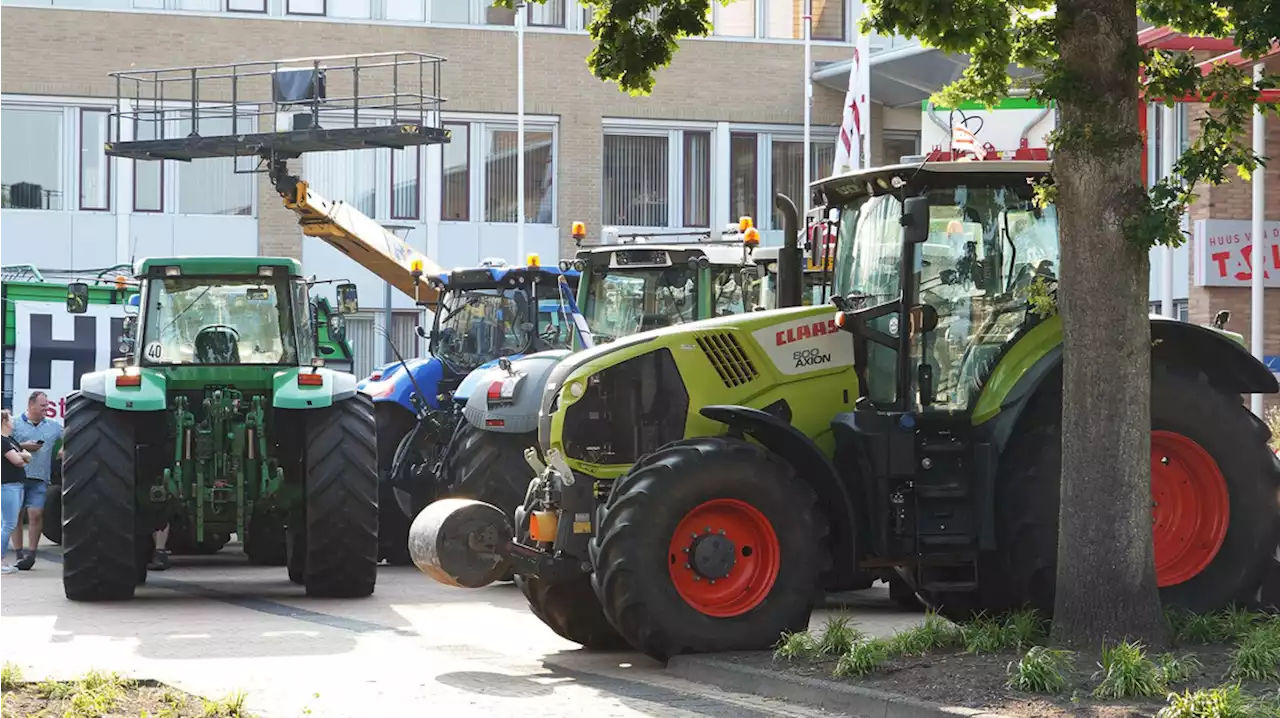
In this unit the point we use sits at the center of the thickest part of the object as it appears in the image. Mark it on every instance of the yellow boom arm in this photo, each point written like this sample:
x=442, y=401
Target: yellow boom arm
x=364, y=240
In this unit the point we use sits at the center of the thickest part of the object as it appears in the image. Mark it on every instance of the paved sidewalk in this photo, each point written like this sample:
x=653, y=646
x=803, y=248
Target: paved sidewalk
x=212, y=625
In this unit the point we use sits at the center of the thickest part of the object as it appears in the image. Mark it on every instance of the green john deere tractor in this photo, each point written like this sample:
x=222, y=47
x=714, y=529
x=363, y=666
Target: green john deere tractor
x=704, y=484
x=222, y=419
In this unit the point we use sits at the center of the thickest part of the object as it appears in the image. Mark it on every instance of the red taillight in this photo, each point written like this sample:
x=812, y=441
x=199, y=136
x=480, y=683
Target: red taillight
x=495, y=422
x=495, y=391
x=310, y=380
x=129, y=380
x=376, y=376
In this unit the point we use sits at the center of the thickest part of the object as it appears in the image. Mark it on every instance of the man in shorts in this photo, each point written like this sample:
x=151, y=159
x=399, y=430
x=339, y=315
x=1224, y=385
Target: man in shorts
x=36, y=433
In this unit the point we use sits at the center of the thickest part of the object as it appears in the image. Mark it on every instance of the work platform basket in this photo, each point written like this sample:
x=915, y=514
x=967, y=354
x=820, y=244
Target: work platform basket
x=278, y=109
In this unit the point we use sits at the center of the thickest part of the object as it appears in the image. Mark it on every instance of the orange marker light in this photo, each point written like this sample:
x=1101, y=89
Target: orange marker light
x=751, y=237
x=745, y=223
x=416, y=266
x=310, y=380
x=533, y=260
x=129, y=380
x=579, y=230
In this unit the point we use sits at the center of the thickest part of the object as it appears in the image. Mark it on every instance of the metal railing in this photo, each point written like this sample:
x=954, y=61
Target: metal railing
x=347, y=91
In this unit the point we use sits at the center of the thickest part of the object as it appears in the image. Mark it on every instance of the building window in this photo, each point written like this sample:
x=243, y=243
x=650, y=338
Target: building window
x=31, y=158
x=635, y=181
x=451, y=11
x=495, y=15
x=250, y=6
x=95, y=169
x=737, y=19
x=305, y=7
x=455, y=189
x=787, y=171
x=785, y=19
x=1181, y=309
x=406, y=175
x=898, y=144
x=696, y=195
x=404, y=10
x=347, y=9
x=742, y=175
x=148, y=176
x=655, y=177
x=546, y=14
x=500, y=178
x=213, y=186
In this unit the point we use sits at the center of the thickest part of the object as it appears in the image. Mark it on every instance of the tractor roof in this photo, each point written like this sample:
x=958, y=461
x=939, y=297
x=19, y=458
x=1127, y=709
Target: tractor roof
x=717, y=253
x=218, y=266
x=879, y=180
x=493, y=275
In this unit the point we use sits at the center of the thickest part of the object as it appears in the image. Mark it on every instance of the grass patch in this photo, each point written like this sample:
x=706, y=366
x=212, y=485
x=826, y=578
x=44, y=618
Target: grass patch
x=1177, y=669
x=1256, y=656
x=1041, y=670
x=229, y=706
x=862, y=658
x=100, y=693
x=934, y=634
x=795, y=645
x=1019, y=630
x=10, y=676
x=1221, y=702
x=1220, y=627
x=1127, y=672
x=838, y=637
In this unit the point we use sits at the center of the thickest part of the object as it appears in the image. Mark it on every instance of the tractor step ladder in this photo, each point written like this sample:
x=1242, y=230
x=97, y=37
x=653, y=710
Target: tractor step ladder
x=946, y=511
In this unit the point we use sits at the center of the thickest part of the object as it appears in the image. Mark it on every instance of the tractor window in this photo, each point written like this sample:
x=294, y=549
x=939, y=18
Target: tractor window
x=810, y=291
x=620, y=303
x=728, y=295
x=986, y=245
x=868, y=256
x=481, y=325
x=303, y=328
x=232, y=320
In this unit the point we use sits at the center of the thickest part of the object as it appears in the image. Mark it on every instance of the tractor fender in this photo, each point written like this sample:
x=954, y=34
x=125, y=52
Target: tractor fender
x=396, y=386
x=520, y=414
x=288, y=393
x=777, y=434
x=101, y=386
x=1224, y=360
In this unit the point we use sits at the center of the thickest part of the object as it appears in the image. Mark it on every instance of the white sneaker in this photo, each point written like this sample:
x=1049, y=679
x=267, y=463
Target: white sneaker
x=8, y=569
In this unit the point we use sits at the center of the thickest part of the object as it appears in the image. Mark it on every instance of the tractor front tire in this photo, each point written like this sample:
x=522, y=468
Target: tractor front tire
x=568, y=607
x=701, y=511
x=100, y=560
x=341, y=515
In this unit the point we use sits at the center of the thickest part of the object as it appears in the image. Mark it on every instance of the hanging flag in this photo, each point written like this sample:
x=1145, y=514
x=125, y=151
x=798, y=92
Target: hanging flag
x=853, y=146
x=963, y=140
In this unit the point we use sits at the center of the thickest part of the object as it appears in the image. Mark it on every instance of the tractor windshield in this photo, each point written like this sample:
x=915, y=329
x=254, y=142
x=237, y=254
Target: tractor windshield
x=763, y=292
x=986, y=246
x=219, y=320
x=479, y=325
x=624, y=302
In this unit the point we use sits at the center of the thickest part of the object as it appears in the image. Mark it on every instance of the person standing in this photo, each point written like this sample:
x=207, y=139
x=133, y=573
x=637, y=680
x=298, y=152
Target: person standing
x=37, y=434
x=13, y=473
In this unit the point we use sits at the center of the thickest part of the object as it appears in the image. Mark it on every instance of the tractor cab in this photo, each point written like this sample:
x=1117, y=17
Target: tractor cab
x=495, y=310
x=951, y=251
x=762, y=291
x=635, y=283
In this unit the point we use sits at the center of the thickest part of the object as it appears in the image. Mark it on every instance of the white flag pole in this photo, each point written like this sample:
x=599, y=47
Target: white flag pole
x=864, y=98
x=520, y=11
x=808, y=110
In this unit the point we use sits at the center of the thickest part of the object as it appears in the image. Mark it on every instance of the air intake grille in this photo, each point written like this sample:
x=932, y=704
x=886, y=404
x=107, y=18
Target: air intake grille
x=726, y=355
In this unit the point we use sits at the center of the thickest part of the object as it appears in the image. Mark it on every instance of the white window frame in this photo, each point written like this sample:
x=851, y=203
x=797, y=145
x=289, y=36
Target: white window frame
x=674, y=132
x=479, y=125
x=765, y=136
x=70, y=108
x=169, y=189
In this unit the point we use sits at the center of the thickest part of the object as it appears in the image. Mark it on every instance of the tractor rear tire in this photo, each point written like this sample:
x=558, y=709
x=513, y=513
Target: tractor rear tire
x=490, y=467
x=341, y=515
x=394, y=424
x=568, y=607
x=1185, y=403
x=100, y=560
x=661, y=537
x=265, y=544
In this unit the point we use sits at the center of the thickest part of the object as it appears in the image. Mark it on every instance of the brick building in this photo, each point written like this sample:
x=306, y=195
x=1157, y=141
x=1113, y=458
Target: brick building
x=721, y=133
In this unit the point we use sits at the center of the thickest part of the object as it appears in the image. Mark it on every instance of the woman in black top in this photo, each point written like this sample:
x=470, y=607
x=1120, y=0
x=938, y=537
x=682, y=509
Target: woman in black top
x=13, y=471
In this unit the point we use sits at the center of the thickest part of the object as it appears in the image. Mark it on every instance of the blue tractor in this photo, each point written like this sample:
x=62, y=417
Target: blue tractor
x=483, y=314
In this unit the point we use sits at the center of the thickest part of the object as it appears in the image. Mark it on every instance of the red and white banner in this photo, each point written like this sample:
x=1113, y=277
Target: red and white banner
x=1224, y=253
x=853, y=148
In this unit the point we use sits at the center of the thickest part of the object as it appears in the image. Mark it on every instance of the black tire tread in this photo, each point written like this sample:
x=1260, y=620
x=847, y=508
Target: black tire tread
x=341, y=475
x=488, y=466
x=99, y=561
x=637, y=504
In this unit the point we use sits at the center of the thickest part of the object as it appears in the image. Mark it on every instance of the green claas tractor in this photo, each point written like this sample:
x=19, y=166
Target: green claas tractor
x=221, y=419
x=701, y=486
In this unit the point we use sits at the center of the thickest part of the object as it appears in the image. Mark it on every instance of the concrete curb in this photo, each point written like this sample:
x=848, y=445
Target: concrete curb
x=830, y=695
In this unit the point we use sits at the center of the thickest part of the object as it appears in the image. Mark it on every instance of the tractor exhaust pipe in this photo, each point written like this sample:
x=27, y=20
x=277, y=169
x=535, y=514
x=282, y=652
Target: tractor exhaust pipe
x=790, y=266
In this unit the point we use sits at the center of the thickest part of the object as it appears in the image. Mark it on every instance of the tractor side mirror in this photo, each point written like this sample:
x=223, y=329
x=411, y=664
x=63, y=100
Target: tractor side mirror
x=127, y=330
x=337, y=327
x=348, y=299
x=915, y=220
x=77, y=298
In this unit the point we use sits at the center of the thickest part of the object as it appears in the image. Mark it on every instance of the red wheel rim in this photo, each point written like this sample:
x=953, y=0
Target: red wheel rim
x=724, y=558
x=1190, y=507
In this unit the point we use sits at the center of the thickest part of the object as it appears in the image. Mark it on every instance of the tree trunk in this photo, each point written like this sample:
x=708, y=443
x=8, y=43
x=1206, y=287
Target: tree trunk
x=1106, y=583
